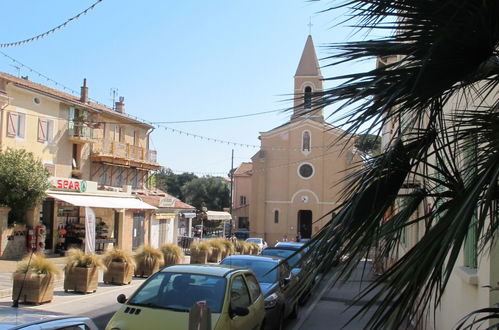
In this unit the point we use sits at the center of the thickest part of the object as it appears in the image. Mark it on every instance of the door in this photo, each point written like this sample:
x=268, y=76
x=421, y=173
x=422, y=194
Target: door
x=240, y=297
x=48, y=221
x=116, y=227
x=305, y=223
x=138, y=229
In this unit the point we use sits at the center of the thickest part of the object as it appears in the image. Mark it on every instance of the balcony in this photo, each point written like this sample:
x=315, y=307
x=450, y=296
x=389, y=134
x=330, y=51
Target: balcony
x=79, y=133
x=124, y=154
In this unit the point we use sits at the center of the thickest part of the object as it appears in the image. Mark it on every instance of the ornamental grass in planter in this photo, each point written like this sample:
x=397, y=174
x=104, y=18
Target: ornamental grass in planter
x=120, y=266
x=38, y=275
x=81, y=273
x=148, y=260
x=240, y=246
x=172, y=254
x=217, y=248
x=229, y=248
x=253, y=248
x=200, y=252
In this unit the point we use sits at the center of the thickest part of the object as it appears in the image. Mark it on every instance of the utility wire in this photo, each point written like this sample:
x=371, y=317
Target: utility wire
x=45, y=34
x=215, y=119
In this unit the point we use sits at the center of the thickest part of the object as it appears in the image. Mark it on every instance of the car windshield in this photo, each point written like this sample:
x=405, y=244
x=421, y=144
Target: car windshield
x=259, y=267
x=256, y=240
x=283, y=254
x=180, y=291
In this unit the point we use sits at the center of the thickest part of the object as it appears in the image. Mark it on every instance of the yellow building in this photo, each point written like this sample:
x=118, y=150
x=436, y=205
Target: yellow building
x=90, y=151
x=296, y=173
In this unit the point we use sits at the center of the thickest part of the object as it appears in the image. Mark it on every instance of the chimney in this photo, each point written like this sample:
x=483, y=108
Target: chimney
x=120, y=105
x=84, y=92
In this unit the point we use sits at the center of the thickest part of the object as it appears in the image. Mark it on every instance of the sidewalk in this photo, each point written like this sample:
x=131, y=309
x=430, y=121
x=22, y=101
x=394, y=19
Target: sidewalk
x=330, y=308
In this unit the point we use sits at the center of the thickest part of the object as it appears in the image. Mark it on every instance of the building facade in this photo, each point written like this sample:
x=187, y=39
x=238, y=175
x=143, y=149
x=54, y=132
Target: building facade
x=241, y=196
x=90, y=150
x=297, y=174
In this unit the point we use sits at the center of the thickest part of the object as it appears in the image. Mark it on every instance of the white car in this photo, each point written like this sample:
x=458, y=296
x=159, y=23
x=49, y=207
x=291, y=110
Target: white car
x=261, y=243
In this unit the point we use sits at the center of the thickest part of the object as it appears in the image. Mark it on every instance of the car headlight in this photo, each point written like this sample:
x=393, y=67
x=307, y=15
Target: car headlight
x=271, y=301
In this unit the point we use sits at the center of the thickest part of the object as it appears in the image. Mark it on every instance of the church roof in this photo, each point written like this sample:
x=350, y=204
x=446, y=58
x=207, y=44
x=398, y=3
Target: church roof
x=244, y=169
x=309, y=65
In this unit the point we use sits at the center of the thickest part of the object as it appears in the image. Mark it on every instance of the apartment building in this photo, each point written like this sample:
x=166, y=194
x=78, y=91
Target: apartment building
x=97, y=157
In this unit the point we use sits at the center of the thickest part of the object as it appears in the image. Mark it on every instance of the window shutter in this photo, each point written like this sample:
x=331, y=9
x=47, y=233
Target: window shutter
x=50, y=130
x=71, y=113
x=42, y=130
x=12, y=123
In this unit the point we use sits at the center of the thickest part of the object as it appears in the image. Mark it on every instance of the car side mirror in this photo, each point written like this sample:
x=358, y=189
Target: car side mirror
x=295, y=271
x=239, y=311
x=285, y=281
x=121, y=298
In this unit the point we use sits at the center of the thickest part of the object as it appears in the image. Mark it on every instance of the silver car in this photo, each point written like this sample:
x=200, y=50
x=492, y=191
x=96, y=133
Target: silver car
x=29, y=319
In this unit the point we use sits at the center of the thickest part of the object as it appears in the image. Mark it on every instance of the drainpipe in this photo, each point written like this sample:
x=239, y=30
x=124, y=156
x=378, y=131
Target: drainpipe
x=2, y=121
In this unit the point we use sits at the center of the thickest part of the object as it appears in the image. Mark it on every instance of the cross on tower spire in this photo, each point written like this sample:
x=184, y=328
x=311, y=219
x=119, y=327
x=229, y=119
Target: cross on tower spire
x=310, y=25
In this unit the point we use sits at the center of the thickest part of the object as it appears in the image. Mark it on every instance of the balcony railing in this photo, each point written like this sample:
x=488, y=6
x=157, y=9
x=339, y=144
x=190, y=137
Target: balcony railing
x=79, y=131
x=124, y=151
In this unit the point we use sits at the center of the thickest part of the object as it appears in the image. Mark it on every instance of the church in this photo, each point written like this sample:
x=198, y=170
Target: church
x=297, y=173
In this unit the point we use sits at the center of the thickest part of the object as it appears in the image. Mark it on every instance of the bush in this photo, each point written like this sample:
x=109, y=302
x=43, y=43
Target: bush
x=78, y=258
x=172, y=254
x=201, y=247
x=118, y=255
x=146, y=253
x=23, y=182
x=38, y=265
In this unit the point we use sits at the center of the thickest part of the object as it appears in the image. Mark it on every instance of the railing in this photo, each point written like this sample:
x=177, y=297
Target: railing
x=78, y=130
x=124, y=150
x=185, y=243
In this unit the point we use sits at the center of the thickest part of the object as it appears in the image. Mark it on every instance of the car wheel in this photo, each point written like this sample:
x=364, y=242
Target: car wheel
x=294, y=312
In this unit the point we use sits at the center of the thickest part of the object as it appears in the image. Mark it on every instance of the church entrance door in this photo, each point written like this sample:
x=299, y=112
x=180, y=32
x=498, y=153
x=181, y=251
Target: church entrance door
x=305, y=223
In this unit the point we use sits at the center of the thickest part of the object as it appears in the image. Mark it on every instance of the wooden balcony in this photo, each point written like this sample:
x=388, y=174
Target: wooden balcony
x=80, y=133
x=124, y=154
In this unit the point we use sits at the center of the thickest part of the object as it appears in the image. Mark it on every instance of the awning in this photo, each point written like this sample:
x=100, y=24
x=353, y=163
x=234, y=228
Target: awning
x=218, y=215
x=104, y=201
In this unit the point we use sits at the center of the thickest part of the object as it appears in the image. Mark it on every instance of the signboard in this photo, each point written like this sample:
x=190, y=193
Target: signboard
x=167, y=202
x=68, y=184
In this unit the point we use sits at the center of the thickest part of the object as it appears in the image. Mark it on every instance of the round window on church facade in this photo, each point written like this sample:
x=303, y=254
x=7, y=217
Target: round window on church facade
x=306, y=171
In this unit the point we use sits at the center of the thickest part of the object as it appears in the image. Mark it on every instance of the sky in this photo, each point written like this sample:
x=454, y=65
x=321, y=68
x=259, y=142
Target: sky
x=177, y=61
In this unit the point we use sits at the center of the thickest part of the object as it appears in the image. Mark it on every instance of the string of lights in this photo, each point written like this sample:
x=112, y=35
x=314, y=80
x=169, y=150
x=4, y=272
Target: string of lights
x=216, y=119
x=45, y=34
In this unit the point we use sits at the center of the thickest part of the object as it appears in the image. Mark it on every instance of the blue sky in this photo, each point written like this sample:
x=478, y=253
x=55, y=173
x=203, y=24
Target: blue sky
x=178, y=60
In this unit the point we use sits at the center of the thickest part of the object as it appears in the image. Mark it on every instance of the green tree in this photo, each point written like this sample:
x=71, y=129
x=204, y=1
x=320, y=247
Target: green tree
x=172, y=183
x=210, y=192
x=23, y=182
x=439, y=80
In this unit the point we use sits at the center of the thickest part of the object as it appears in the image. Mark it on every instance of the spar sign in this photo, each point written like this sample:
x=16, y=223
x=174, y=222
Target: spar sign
x=68, y=184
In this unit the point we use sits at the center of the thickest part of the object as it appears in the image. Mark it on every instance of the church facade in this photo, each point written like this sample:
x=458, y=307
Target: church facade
x=297, y=173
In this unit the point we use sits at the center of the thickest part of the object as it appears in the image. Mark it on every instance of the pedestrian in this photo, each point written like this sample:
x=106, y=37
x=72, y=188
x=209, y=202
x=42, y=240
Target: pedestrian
x=298, y=237
x=285, y=238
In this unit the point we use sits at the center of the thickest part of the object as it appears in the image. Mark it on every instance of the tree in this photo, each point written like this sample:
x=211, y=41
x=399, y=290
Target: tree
x=440, y=82
x=23, y=182
x=210, y=192
x=172, y=183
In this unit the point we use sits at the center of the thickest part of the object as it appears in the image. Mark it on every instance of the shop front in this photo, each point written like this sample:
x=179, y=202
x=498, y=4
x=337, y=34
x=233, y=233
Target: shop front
x=77, y=214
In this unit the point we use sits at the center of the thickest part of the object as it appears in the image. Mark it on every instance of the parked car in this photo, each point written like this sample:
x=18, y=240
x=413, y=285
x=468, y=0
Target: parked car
x=261, y=243
x=28, y=319
x=293, y=257
x=277, y=284
x=232, y=294
x=242, y=234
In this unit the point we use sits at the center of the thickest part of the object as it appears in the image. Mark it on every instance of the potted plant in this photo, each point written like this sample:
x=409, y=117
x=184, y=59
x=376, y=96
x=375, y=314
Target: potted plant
x=200, y=252
x=34, y=280
x=81, y=273
x=253, y=248
x=119, y=266
x=229, y=248
x=217, y=249
x=172, y=254
x=148, y=260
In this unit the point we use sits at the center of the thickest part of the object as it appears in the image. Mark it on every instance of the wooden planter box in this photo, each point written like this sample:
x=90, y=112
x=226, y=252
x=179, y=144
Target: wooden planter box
x=118, y=273
x=37, y=288
x=215, y=256
x=171, y=259
x=81, y=279
x=146, y=268
x=254, y=250
x=199, y=257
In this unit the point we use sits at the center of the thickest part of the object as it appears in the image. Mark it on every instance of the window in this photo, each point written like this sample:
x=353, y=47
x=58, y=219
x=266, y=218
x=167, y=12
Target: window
x=45, y=130
x=239, y=295
x=305, y=171
x=305, y=144
x=253, y=285
x=276, y=216
x=307, y=98
x=16, y=123
x=243, y=222
x=242, y=200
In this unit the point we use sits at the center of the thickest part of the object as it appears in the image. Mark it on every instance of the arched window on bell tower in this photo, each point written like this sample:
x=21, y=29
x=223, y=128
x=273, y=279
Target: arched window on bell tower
x=307, y=98
x=305, y=144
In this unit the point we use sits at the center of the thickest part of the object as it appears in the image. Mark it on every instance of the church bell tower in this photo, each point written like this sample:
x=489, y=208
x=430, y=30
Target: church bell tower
x=308, y=81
